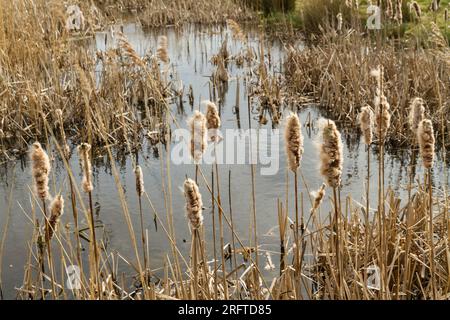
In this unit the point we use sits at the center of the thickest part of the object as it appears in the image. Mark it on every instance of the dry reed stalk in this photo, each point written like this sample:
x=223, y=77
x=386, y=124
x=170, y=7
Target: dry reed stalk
x=425, y=137
x=366, y=121
x=40, y=170
x=294, y=150
x=331, y=164
x=87, y=186
x=140, y=189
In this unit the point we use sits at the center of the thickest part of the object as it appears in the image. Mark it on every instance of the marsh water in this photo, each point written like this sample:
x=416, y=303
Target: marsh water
x=190, y=51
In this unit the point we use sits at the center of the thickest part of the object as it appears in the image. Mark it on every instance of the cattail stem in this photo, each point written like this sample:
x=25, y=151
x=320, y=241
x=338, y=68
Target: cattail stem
x=233, y=240
x=431, y=233
x=144, y=242
x=49, y=249
x=337, y=246
x=94, y=246
x=225, y=286
x=296, y=235
x=213, y=206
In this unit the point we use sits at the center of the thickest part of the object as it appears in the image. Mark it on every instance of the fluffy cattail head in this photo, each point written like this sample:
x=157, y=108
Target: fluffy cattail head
x=366, y=123
x=65, y=147
x=40, y=170
x=139, y=181
x=318, y=197
x=416, y=113
x=425, y=136
x=212, y=115
x=294, y=142
x=56, y=211
x=83, y=151
x=382, y=119
x=161, y=51
x=197, y=125
x=194, y=204
x=331, y=154
x=414, y=6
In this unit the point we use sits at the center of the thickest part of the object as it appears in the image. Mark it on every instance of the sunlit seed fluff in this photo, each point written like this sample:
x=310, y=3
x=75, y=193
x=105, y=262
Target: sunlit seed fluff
x=331, y=154
x=197, y=125
x=416, y=113
x=194, y=204
x=293, y=142
x=425, y=136
x=83, y=151
x=56, y=211
x=162, y=51
x=139, y=181
x=366, y=123
x=40, y=170
x=382, y=119
x=318, y=197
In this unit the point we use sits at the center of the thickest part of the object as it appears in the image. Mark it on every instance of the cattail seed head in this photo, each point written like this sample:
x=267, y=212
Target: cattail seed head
x=40, y=170
x=212, y=115
x=161, y=51
x=382, y=119
x=425, y=136
x=416, y=113
x=56, y=211
x=331, y=154
x=414, y=6
x=197, y=125
x=318, y=197
x=65, y=147
x=194, y=204
x=139, y=181
x=366, y=123
x=212, y=119
x=83, y=151
x=294, y=142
